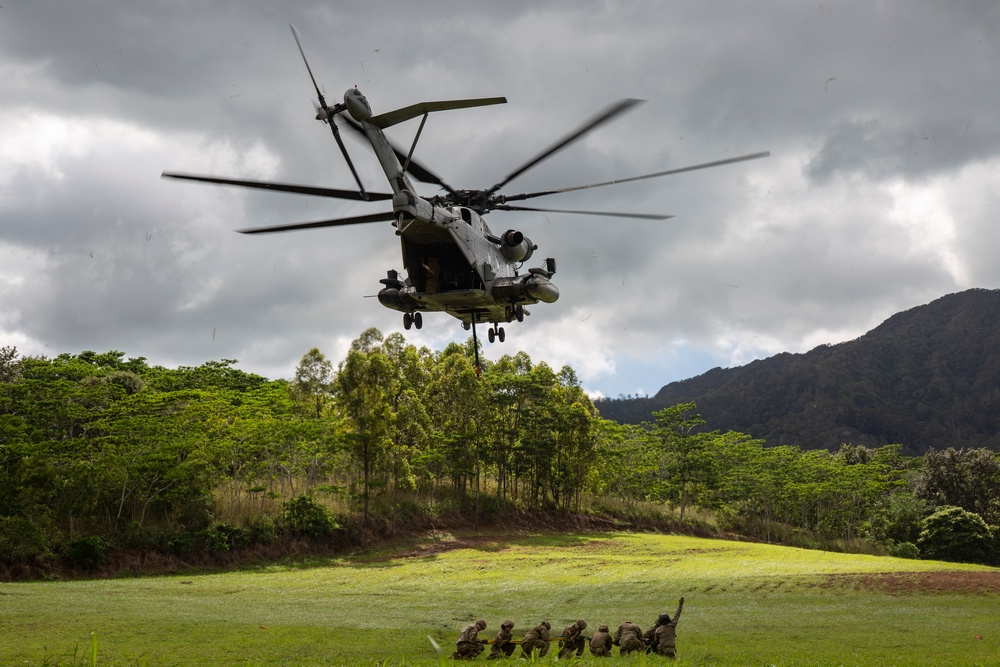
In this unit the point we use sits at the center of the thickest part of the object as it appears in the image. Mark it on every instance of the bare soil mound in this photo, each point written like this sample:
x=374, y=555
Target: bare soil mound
x=900, y=583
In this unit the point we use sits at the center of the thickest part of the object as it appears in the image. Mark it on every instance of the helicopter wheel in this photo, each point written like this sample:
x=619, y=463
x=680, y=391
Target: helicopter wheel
x=491, y=334
x=418, y=320
x=407, y=321
x=500, y=334
x=519, y=312
x=466, y=326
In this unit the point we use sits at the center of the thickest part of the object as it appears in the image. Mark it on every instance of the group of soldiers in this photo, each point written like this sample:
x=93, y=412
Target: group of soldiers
x=661, y=639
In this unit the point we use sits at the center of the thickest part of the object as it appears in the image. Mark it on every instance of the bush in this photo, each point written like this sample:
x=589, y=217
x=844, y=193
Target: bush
x=955, y=534
x=263, y=529
x=20, y=540
x=86, y=552
x=899, y=517
x=905, y=550
x=222, y=537
x=304, y=516
x=180, y=544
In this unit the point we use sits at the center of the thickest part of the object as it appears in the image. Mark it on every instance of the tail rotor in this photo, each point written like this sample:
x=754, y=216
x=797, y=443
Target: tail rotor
x=326, y=113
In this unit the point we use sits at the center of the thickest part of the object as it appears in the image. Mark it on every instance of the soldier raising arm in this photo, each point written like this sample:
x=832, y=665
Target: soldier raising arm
x=665, y=636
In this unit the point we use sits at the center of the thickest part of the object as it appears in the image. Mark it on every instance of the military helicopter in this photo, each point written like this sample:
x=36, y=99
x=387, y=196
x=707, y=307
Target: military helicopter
x=454, y=263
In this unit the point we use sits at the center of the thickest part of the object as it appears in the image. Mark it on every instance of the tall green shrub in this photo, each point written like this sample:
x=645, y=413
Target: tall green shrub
x=955, y=534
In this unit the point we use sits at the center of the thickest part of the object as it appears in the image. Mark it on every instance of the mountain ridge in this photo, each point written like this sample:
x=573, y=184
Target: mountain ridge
x=926, y=377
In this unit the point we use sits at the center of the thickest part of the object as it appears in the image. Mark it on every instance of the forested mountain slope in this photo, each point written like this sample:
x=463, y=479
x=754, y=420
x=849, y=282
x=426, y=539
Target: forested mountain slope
x=926, y=377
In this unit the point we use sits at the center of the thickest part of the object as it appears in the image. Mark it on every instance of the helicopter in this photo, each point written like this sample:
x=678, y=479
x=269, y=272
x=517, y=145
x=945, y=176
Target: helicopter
x=453, y=261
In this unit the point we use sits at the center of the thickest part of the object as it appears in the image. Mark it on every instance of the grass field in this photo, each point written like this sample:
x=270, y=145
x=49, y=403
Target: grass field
x=746, y=604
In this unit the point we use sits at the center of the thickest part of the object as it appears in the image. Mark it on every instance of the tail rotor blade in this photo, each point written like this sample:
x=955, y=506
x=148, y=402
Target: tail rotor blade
x=329, y=114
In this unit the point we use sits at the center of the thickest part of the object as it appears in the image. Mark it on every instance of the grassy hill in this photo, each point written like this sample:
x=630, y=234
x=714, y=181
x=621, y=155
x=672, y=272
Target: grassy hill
x=747, y=604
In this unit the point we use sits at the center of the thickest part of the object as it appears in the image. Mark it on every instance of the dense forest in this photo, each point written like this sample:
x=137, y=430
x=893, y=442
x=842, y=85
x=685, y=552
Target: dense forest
x=103, y=455
x=926, y=378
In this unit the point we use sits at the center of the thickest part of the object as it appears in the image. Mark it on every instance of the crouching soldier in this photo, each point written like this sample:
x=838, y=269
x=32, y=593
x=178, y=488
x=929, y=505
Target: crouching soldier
x=503, y=643
x=601, y=643
x=468, y=645
x=628, y=638
x=573, y=640
x=665, y=637
x=536, y=638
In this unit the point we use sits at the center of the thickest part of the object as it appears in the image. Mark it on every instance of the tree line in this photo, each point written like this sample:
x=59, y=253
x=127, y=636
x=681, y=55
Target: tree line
x=101, y=453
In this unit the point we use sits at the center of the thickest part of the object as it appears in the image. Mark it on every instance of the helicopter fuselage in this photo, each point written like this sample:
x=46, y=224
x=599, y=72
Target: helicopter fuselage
x=454, y=264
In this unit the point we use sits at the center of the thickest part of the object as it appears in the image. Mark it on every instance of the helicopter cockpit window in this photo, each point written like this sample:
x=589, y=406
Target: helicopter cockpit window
x=467, y=216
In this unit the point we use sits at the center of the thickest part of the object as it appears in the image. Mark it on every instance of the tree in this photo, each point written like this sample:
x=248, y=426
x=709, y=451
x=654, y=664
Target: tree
x=361, y=388
x=10, y=364
x=954, y=534
x=966, y=478
x=686, y=457
x=313, y=377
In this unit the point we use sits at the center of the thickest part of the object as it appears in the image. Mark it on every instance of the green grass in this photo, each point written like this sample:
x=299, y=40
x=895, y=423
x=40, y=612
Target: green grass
x=747, y=604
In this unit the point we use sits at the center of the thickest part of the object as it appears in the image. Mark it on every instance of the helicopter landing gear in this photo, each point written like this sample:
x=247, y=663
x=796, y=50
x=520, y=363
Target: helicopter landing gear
x=514, y=312
x=495, y=333
x=412, y=319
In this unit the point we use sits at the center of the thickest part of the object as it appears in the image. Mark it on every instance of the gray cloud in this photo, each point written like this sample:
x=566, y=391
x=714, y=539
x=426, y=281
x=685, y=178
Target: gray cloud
x=879, y=195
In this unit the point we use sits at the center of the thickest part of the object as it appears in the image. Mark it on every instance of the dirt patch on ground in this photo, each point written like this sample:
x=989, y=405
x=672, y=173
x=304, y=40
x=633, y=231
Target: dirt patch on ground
x=439, y=546
x=900, y=583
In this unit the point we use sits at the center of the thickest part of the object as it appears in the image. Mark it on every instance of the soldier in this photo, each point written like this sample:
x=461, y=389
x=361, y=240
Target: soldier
x=468, y=645
x=628, y=638
x=573, y=640
x=503, y=644
x=601, y=642
x=666, y=633
x=536, y=638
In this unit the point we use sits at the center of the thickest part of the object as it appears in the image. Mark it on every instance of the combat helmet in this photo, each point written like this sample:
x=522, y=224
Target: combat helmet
x=507, y=624
x=663, y=619
x=581, y=624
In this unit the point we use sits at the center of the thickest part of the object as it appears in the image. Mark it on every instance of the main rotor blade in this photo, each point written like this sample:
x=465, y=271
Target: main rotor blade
x=608, y=114
x=705, y=165
x=419, y=171
x=610, y=214
x=335, y=222
x=283, y=187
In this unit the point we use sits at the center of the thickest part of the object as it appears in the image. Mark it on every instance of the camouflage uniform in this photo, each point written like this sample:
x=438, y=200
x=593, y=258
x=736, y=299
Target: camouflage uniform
x=666, y=633
x=537, y=638
x=573, y=640
x=628, y=638
x=502, y=643
x=468, y=645
x=601, y=643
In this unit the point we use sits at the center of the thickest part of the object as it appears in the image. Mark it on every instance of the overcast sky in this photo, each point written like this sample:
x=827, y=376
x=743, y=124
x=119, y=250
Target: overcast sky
x=881, y=192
